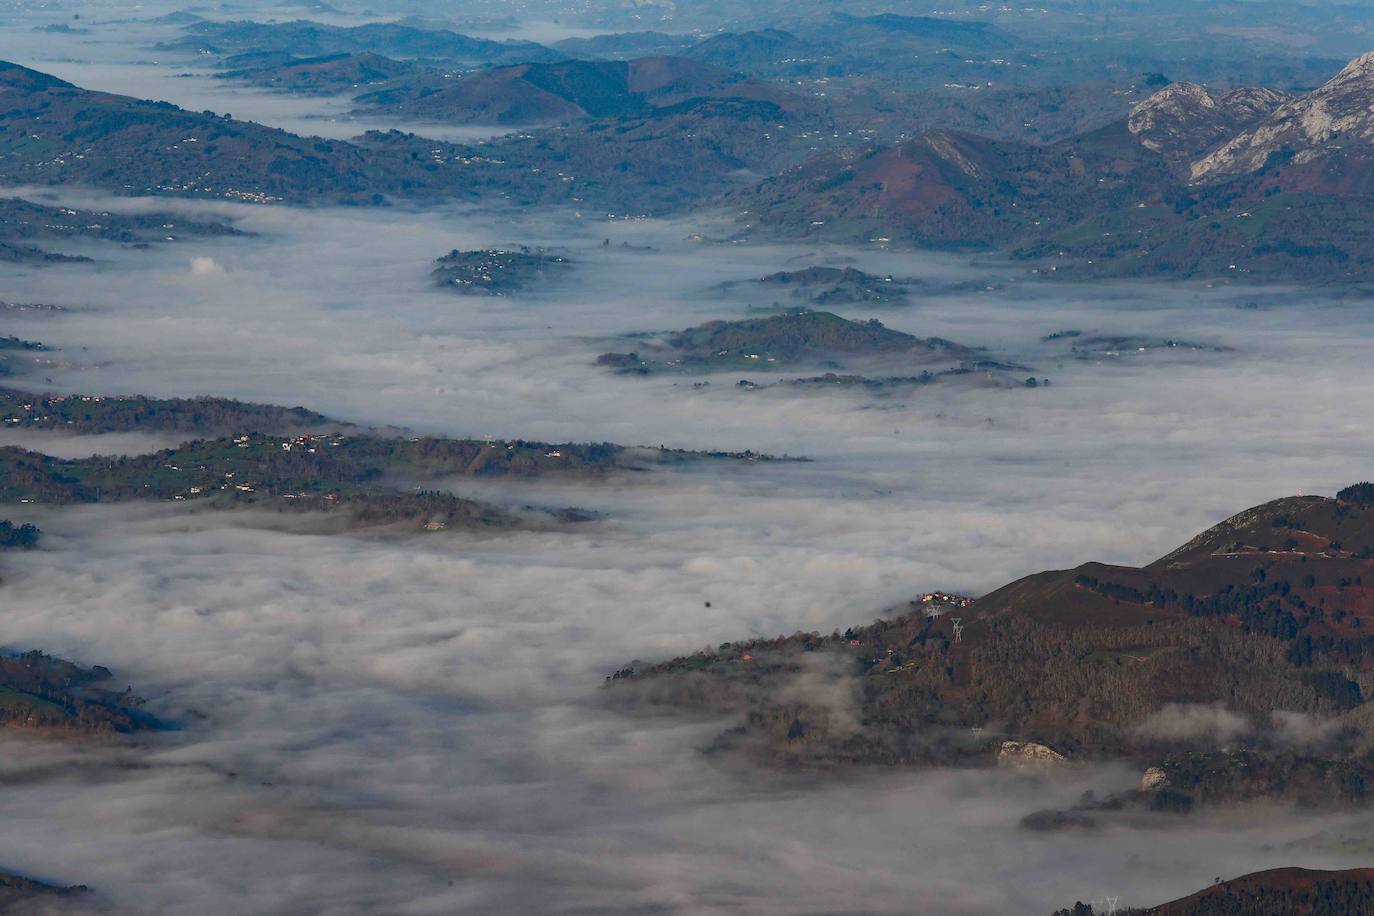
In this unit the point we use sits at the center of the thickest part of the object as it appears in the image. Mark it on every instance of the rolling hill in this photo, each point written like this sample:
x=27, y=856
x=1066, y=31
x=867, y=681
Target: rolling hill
x=391, y=39
x=52, y=132
x=1265, y=617
x=566, y=91
x=326, y=74
x=23, y=223
x=786, y=340
x=1296, y=891
x=1250, y=183
x=1290, y=891
x=673, y=155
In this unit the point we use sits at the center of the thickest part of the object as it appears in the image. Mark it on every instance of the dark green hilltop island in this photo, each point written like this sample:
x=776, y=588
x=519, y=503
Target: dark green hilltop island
x=18, y=355
x=112, y=414
x=1095, y=346
x=829, y=286
x=27, y=230
x=497, y=271
x=315, y=470
x=853, y=354
x=294, y=460
x=19, y=894
x=780, y=341
x=1266, y=616
x=18, y=537
x=58, y=700
x=51, y=696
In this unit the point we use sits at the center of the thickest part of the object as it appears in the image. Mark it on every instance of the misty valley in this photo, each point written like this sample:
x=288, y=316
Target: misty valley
x=687, y=457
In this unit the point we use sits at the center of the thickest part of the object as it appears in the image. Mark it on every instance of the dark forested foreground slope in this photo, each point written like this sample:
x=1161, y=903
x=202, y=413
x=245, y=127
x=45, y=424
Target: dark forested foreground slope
x=1236, y=667
x=1289, y=891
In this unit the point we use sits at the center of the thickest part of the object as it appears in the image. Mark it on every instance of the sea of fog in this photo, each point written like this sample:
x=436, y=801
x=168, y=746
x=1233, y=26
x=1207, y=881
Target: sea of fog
x=409, y=725
x=412, y=724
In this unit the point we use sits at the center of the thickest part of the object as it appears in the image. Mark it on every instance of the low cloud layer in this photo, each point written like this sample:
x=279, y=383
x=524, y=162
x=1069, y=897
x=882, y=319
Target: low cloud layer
x=411, y=726
x=1212, y=724
x=368, y=721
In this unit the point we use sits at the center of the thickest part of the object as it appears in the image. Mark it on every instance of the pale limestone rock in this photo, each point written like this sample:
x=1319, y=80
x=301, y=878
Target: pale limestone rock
x=1028, y=755
x=1154, y=778
x=1339, y=112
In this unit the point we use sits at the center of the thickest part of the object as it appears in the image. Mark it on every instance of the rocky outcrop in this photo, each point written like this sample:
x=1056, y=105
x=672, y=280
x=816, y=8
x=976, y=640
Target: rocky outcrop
x=1184, y=120
x=1339, y=113
x=1153, y=779
x=1027, y=755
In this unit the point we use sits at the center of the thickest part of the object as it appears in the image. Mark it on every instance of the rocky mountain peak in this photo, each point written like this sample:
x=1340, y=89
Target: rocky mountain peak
x=1304, y=127
x=1177, y=95
x=1253, y=101
x=1184, y=120
x=1359, y=69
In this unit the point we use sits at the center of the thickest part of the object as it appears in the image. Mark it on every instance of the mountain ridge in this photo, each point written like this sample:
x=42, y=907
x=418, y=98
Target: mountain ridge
x=1266, y=615
x=1343, y=109
x=1122, y=200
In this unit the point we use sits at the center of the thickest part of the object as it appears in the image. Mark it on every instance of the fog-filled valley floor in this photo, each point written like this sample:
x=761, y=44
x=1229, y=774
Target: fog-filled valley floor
x=390, y=716
x=416, y=722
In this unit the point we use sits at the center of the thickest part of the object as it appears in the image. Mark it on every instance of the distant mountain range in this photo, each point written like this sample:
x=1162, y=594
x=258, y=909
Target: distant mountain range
x=1250, y=183
x=838, y=45
x=569, y=90
x=845, y=37
x=664, y=154
x=304, y=37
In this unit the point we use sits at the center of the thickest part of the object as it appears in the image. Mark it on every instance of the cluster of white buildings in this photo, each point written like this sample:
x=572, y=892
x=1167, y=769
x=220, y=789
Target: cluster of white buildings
x=937, y=603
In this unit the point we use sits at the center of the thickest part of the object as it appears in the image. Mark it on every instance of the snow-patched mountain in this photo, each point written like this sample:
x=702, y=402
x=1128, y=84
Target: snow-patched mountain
x=1338, y=114
x=1184, y=120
